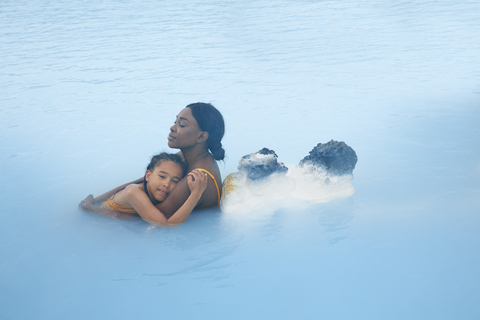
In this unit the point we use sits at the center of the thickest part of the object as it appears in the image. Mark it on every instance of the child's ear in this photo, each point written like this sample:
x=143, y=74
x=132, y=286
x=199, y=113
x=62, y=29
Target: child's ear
x=147, y=175
x=203, y=137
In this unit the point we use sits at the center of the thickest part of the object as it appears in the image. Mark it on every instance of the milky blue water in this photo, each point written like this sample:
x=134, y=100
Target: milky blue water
x=88, y=90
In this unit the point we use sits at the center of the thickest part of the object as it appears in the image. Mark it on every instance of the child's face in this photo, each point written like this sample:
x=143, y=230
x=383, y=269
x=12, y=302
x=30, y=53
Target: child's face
x=163, y=179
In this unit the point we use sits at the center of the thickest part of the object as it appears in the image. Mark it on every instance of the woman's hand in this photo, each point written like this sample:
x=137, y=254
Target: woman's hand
x=87, y=203
x=197, y=181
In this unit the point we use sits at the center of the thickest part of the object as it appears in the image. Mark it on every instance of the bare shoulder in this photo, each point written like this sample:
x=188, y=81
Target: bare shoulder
x=211, y=195
x=133, y=188
x=131, y=191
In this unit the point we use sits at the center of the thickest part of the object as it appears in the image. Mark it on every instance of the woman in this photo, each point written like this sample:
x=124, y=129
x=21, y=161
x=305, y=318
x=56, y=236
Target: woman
x=198, y=131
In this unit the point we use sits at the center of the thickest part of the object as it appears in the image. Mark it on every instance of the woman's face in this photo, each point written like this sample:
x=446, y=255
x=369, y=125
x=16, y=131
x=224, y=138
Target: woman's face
x=185, y=131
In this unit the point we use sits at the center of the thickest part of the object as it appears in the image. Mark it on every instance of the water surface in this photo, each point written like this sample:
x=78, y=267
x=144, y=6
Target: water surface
x=90, y=88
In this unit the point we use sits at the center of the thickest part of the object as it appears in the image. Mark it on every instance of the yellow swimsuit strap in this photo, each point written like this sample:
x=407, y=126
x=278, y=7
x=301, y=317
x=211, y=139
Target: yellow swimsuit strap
x=110, y=204
x=211, y=176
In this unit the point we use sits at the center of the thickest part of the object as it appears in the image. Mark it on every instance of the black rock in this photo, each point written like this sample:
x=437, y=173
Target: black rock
x=261, y=164
x=335, y=157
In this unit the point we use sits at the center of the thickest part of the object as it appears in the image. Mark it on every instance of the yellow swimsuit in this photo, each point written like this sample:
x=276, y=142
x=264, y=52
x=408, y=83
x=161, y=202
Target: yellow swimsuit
x=211, y=176
x=110, y=204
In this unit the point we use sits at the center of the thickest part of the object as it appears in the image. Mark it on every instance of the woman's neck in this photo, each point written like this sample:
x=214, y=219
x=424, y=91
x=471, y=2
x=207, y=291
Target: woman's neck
x=195, y=154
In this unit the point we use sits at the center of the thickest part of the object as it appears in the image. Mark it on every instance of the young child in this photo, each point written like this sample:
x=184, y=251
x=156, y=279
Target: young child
x=163, y=173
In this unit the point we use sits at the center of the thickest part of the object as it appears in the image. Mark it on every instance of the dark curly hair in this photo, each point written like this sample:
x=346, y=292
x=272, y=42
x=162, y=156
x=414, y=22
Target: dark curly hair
x=159, y=158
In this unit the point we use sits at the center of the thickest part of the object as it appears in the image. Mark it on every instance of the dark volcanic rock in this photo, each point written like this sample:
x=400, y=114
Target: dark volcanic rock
x=335, y=157
x=261, y=164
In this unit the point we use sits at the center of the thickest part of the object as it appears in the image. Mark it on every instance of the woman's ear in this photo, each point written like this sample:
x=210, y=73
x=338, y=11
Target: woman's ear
x=203, y=137
x=147, y=175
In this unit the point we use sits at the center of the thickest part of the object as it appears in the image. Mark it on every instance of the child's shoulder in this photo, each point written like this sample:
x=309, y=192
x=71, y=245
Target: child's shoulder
x=133, y=188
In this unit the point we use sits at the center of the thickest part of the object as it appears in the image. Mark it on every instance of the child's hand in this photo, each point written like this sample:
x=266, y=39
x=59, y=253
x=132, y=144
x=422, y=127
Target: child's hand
x=197, y=181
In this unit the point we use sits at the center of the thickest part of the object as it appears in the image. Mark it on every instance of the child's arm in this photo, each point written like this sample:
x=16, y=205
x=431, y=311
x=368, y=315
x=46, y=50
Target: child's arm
x=180, y=194
x=139, y=201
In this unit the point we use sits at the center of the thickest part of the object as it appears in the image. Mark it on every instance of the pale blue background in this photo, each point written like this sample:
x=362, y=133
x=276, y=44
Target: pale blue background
x=88, y=90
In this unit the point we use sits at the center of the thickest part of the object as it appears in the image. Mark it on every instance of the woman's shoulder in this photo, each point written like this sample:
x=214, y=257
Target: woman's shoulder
x=212, y=194
x=210, y=167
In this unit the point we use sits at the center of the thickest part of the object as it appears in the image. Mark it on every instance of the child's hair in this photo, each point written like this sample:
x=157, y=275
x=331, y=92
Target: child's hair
x=159, y=158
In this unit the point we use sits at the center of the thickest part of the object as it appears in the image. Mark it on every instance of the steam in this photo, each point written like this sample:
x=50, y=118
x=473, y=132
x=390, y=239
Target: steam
x=298, y=187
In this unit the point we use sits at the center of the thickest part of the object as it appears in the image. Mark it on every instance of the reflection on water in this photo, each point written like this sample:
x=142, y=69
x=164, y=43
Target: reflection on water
x=89, y=90
x=336, y=220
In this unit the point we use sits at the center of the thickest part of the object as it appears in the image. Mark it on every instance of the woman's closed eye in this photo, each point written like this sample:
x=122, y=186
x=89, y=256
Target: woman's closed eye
x=180, y=124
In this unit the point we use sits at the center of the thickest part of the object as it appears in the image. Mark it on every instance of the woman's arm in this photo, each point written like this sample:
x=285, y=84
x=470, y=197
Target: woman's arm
x=139, y=201
x=89, y=206
x=175, y=199
x=181, y=192
x=109, y=194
